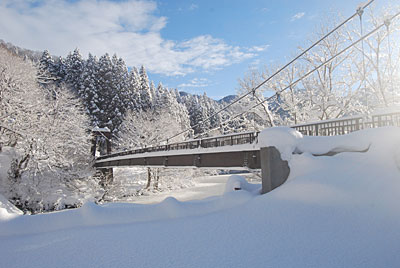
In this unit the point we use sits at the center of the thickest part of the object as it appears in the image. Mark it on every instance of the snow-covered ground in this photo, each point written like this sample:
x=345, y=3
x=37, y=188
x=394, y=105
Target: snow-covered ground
x=202, y=188
x=333, y=211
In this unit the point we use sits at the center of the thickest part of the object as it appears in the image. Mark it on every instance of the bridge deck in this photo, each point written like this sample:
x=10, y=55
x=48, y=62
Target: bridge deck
x=244, y=155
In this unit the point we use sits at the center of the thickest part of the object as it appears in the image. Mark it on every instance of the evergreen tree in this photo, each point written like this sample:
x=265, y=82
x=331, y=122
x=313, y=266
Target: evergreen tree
x=145, y=93
x=133, y=90
x=60, y=70
x=74, y=64
x=46, y=63
x=89, y=88
x=121, y=83
x=105, y=92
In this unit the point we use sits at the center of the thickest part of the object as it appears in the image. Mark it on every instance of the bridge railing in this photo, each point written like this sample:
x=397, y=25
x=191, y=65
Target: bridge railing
x=382, y=120
x=233, y=139
x=350, y=124
x=330, y=127
x=324, y=128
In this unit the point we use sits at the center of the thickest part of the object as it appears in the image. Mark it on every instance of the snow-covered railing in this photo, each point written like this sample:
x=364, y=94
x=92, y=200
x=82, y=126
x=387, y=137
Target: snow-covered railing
x=346, y=125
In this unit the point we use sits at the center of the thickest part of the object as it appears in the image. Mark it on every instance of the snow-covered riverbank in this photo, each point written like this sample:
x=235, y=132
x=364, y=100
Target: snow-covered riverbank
x=334, y=211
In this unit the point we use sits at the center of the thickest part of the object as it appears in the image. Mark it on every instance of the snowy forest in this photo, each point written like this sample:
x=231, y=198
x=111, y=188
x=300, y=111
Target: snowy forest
x=49, y=105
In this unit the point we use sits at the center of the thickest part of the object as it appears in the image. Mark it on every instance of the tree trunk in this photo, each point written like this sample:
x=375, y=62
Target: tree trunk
x=157, y=178
x=148, y=178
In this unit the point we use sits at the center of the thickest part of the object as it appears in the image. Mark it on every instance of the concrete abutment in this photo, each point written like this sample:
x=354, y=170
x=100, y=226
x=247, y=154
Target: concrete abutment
x=274, y=170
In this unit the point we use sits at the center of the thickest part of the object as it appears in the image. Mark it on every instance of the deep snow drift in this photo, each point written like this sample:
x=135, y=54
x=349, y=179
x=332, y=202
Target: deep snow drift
x=334, y=211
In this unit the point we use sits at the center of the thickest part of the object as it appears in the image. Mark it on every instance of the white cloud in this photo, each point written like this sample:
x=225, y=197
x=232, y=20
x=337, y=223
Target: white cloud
x=297, y=16
x=258, y=48
x=196, y=82
x=128, y=28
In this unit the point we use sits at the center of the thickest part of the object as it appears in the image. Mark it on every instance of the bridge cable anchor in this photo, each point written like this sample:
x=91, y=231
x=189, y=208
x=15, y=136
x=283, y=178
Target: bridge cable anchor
x=360, y=10
x=253, y=91
x=387, y=21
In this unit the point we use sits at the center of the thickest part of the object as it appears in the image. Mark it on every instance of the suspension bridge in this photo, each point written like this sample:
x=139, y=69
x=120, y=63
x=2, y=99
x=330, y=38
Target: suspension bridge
x=242, y=149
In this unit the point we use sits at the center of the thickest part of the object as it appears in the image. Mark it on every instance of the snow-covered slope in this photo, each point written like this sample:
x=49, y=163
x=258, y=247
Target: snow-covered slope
x=8, y=210
x=334, y=211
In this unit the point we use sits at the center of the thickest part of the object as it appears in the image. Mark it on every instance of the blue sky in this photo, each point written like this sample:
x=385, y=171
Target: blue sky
x=195, y=46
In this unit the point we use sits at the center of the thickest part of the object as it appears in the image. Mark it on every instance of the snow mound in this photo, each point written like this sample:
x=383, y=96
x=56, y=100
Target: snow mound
x=289, y=141
x=7, y=210
x=285, y=139
x=91, y=214
x=239, y=182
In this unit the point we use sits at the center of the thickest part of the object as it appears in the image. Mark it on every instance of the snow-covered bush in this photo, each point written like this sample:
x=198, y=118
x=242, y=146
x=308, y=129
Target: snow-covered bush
x=44, y=132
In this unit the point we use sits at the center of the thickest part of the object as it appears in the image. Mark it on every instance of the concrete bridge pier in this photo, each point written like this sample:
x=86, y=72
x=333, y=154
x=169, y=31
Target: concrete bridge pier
x=274, y=170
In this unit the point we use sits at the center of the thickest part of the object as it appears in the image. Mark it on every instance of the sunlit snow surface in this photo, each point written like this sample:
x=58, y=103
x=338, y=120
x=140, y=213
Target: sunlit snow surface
x=334, y=211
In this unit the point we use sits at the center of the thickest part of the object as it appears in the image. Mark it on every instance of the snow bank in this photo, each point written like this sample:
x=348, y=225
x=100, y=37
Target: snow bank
x=7, y=210
x=239, y=182
x=334, y=211
x=285, y=139
x=91, y=214
x=289, y=141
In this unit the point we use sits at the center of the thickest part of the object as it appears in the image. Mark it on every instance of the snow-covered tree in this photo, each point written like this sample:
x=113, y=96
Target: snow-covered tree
x=133, y=100
x=46, y=63
x=121, y=84
x=149, y=128
x=74, y=64
x=45, y=130
x=334, y=90
x=107, y=95
x=145, y=93
x=377, y=61
x=88, y=90
x=330, y=93
x=251, y=80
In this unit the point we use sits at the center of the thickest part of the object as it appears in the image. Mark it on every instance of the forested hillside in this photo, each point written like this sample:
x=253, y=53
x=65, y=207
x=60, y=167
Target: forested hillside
x=112, y=93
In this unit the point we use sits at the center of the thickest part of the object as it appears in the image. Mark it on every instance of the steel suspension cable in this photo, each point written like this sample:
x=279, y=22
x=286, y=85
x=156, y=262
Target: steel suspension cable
x=253, y=90
x=322, y=64
x=387, y=24
x=360, y=13
x=314, y=69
